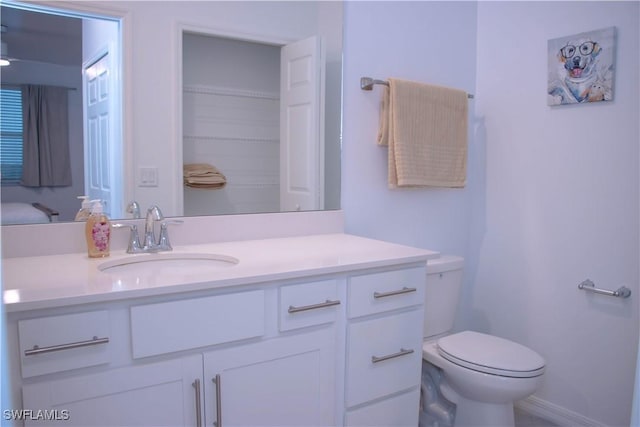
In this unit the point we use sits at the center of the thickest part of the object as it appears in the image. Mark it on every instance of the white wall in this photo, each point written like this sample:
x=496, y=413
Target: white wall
x=98, y=34
x=635, y=411
x=562, y=203
x=432, y=42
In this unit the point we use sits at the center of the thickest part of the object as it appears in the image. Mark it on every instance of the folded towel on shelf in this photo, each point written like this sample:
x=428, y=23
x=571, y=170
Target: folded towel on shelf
x=203, y=175
x=425, y=128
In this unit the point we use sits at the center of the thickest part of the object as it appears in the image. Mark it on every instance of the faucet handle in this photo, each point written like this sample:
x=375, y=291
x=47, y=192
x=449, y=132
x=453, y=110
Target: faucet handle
x=134, y=241
x=163, y=241
x=134, y=209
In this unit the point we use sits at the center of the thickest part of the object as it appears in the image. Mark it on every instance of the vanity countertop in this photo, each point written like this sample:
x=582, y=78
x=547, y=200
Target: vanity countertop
x=60, y=280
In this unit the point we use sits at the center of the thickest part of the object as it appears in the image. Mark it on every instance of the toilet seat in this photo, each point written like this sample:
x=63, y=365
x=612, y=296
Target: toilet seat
x=490, y=355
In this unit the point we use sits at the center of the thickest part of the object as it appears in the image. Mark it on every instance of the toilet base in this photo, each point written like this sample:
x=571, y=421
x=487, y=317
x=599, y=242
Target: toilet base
x=470, y=413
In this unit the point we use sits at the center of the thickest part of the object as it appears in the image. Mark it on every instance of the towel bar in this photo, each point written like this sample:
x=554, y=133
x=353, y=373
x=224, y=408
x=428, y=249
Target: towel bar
x=366, y=83
x=588, y=285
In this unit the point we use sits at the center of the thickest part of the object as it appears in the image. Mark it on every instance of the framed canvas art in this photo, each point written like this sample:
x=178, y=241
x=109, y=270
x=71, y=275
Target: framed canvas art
x=581, y=67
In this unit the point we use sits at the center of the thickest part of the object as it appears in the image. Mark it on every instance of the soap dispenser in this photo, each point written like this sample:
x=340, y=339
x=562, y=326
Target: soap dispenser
x=85, y=209
x=98, y=232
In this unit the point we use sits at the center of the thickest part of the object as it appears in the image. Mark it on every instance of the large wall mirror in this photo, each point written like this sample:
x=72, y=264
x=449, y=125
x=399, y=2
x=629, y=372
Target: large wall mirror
x=203, y=83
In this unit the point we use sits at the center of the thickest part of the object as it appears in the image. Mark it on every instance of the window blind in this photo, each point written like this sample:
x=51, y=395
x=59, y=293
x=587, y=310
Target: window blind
x=11, y=135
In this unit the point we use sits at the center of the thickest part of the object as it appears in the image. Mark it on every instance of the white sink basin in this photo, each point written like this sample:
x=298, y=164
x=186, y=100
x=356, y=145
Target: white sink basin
x=168, y=263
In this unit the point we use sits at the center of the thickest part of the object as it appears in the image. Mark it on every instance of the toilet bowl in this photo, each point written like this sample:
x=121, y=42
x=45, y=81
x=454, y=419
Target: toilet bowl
x=483, y=375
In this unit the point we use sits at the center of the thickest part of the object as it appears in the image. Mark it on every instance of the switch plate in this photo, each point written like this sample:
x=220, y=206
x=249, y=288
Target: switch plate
x=148, y=177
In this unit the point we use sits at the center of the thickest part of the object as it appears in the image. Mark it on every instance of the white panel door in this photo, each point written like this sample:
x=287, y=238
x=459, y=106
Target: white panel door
x=156, y=394
x=301, y=126
x=280, y=382
x=100, y=144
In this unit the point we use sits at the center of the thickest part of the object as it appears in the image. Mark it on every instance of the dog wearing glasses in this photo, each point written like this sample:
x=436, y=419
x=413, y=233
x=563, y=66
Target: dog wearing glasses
x=579, y=79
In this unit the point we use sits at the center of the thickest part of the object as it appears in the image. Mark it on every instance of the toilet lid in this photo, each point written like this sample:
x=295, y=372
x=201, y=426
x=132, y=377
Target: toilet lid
x=491, y=355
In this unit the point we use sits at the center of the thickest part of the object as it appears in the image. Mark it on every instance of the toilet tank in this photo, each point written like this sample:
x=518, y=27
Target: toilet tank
x=444, y=281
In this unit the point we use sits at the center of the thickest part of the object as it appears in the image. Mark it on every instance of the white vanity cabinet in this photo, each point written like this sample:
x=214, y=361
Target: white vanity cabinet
x=322, y=331
x=237, y=357
x=286, y=381
x=151, y=394
x=384, y=348
x=289, y=380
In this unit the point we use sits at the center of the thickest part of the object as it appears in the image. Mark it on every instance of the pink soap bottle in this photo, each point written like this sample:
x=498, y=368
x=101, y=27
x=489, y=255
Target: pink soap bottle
x=98, y=232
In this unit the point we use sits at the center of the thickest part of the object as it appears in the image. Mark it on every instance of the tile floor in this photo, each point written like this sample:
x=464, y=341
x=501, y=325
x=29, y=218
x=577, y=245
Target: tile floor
x=524, y=419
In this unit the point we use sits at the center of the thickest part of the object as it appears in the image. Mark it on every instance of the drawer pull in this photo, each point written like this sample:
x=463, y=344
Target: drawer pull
x=402, y=352
x=196, y=385
x=327, y=303
x=37, y=350
x=404, y=290
x=216, y=381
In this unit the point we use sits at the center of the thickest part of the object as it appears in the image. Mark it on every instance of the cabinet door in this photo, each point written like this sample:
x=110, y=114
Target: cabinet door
x=287, y=381
x=155, y=394
x=384, y=356
x=398, y=411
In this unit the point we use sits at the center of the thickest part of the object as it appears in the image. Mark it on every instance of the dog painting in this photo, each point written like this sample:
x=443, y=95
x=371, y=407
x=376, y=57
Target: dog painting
x=581, y=68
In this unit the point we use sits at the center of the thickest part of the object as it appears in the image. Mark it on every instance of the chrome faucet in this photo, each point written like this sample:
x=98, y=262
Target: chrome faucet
x=153, y=214
x=150, y=244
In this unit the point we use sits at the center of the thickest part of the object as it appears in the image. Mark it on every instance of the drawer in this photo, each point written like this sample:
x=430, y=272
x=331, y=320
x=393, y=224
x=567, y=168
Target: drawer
x=308, y=304
x=384, y=356
x=390, y=290
x=398, y=411
x=61, y=343
x=198, y=322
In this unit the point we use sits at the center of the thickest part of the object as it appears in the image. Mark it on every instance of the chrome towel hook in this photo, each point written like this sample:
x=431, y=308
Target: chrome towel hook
x=588, y=285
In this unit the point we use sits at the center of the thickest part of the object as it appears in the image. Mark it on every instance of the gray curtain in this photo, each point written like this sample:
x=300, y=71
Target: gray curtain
x=45, y=152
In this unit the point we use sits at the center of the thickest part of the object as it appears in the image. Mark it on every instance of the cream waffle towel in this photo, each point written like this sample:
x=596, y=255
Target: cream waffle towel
x=203, y=175
x=425, y=128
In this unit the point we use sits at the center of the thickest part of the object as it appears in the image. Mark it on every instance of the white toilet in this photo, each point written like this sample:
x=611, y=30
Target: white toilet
x=482, y=375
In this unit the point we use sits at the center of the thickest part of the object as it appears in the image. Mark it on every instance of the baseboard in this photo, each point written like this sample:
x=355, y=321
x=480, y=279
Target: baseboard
x=555, y=414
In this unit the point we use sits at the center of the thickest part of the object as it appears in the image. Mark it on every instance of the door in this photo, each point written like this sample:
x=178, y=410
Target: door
x=102, y=147
x=302, y=126
x=281, y=382
x=157, y=394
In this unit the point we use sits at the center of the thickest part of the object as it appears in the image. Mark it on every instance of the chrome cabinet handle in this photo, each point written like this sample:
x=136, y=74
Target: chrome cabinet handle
x=402, y=352
x=218, y=421
x=404, y=290
x=327, y=303
x=196, y=385
x=38, y=350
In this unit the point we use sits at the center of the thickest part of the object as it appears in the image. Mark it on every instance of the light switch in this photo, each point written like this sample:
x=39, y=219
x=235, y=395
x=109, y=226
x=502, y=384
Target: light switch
x=148, y=177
